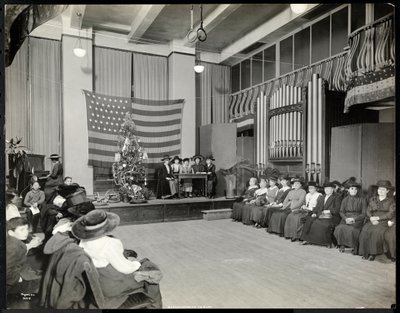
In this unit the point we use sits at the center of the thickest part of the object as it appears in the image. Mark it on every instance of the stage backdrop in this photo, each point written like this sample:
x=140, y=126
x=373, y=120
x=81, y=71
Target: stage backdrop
x=158, y=125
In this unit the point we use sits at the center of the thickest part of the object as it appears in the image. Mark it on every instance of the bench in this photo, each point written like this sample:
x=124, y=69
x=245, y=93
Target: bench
x=218, y=214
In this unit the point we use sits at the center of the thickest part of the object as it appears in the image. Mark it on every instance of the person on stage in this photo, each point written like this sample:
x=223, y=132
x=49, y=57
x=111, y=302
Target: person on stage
x=166, y=187
x=176, y=169
x=187, y=182
x=55, y=178
x=211, y=176
x=198, y=168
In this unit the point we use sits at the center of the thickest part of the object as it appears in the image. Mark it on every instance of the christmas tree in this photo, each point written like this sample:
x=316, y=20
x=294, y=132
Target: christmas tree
x=128, y=169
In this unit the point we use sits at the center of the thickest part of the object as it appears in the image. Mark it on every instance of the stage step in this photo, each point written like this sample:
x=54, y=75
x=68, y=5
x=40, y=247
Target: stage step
x=218, y=214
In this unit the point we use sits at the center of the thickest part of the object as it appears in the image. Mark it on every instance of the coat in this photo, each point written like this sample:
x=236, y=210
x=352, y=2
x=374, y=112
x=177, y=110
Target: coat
x=163, y=188
x=64, y=285
x=56, y=176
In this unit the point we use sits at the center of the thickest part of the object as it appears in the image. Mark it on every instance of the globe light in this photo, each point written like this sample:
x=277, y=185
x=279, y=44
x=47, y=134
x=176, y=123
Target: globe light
x=298, y=8
x=199, y=68
x=79, y=52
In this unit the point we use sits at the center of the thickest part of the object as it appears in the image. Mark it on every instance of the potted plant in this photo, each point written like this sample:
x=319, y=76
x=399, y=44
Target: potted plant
x=231, y=173
x=17, y=155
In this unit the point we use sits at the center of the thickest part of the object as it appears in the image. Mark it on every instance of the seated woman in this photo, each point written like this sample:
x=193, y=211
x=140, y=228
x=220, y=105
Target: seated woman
x=166, y=187
x=247, y=195
x=260, y=199
x=294, y=221
x=293, y=201
x=54, y=179
x=187, y=182
x=276, y=205
x=380, y=210
x=68, y=187
x=11, y=205
x=119, y=276
x=390, y=240
x=258, y=211
x=318, y=227
x=352, y=213
x=34, y=200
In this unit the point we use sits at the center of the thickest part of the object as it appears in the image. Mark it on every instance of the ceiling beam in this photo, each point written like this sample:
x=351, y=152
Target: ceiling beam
x=146, y=16
x=213, y=19
x=262, y=31
x=74, y=21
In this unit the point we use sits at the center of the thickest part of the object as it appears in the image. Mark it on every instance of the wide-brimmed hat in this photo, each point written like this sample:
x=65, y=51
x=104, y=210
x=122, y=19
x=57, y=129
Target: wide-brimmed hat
x=11, y=193
x=210, y=157
x=296, y=180
x=95, y=224
x=185, y=159
x=81, y=209
x=177, y=158
x=312, y=183
x=54, y=156
x=329, y=184
x=384, y=183
x=336, y=183
x=263, y=177
x=274, y=178
x=197, y=156
x=166, y=157
x=353, y=184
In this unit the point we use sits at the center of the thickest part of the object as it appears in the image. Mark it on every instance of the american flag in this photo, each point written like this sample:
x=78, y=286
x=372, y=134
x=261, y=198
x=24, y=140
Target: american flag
x=158, y=126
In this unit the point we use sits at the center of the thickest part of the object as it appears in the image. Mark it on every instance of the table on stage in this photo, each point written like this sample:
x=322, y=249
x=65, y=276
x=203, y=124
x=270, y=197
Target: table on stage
x=193, y=176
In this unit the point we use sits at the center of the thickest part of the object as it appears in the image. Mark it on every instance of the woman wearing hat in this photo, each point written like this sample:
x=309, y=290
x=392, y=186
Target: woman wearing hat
x=260, y=199
x=166, y=186
x=294, y=221
x=176, y=169
x=187, y=182
x=247, y=196
x=55, y=177
x=276, y=205
x=352, y=213
x=258, y=212
x=211, y=176
x=380, y=210
x=198, y=168
x=318, y=227
x=117, y=274
x=293, y=201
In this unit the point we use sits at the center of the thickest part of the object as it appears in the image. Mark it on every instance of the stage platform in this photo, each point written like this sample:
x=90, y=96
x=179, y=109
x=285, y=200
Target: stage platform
x=157, y=211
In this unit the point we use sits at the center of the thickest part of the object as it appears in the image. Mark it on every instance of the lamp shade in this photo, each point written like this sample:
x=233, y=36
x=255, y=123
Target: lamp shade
x=198, y=68
x=79, y=52
x=298, y=8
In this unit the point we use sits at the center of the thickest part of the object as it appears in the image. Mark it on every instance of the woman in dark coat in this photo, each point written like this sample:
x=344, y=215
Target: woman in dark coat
x=352, y=211
x=258, y=212
x=293, y=201
x=247, y=195
x=276, y=206
x=318, y=227
x=390, y=239
x=165, y=183
x=211, y=176
x=380, y=210
x=198, y=167
x=260, y=199
x=55, y=178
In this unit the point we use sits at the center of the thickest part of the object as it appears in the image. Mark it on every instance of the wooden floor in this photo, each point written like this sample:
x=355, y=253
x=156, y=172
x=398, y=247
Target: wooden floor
x=224, y=264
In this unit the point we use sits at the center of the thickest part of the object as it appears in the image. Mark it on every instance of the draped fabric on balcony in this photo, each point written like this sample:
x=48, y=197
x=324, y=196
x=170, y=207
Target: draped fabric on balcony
x=370, y=66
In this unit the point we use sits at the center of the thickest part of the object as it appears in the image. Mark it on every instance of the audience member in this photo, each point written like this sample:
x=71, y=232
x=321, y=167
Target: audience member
x=258, y=212
x=11, y=207
x=260, y=199
x=247, y=196
x=352, y=213
x=380, y=210
x=34, y=200
x=294, y=221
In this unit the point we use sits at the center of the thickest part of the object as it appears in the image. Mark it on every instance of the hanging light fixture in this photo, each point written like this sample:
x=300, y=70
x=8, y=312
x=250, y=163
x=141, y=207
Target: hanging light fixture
x=78, y=50
x=198, y=67
x=298, y=8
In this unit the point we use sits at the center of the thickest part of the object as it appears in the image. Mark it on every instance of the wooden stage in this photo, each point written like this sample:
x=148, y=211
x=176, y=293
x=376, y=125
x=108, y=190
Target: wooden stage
x=156, y=211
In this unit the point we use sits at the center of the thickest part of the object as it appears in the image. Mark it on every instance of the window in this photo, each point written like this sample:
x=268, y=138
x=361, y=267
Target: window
x=269, y=63
x=235, y=77
x=381, y=10
x=357, y=15
x=286, y=53
x=256, y=68
x=339, y=31
x=320, y=40
x=245, y=74
x=302, y=48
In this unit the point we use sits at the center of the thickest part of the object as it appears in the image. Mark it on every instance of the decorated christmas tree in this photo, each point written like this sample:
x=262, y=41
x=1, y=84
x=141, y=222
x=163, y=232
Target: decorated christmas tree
x=128, y=169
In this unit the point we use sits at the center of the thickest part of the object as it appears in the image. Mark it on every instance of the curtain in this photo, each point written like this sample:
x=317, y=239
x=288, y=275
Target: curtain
x=17, y=97
x=45, y=94
x=214, y=93
x=113, y=72
x=150, y=77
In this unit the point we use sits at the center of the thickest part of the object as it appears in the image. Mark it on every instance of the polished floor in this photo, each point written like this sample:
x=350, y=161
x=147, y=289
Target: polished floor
x=224, y=264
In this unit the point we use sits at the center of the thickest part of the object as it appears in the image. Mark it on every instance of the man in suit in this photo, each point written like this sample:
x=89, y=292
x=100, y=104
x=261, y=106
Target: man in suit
x=319, y=225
